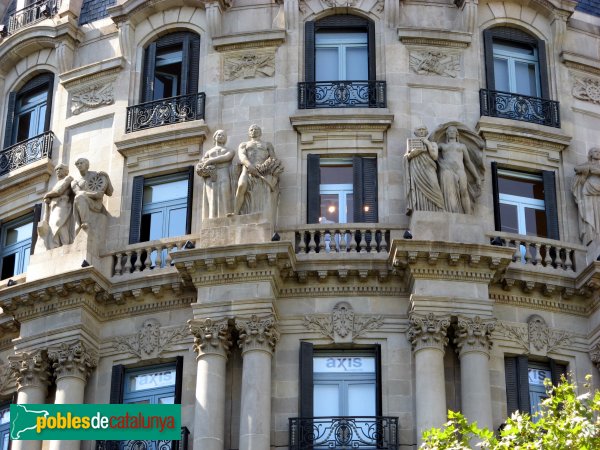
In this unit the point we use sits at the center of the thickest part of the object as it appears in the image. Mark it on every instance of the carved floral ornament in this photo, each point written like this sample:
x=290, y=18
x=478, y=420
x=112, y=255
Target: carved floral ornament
x=537, y=338
x=342, y=325
x=428, y=331
x=151, y=340
x=30, y=369
x=595, y=355
x=211, y=336
x=474, y=334
x=586, y=89
x=72, y=360
x=257, y=333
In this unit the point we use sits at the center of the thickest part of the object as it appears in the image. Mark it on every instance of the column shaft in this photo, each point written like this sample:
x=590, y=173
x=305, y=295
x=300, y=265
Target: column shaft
x=476, y=397
x=209, y=416
x=69, y=390
x=31, y=395
x=430, y=387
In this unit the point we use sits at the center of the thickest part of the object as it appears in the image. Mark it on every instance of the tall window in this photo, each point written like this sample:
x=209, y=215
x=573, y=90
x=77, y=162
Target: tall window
x=16, y=239
x=4, y=427
x=525, y=203
x=29, y=110
x=171, y=66
x=161, y=206
x=342, y=190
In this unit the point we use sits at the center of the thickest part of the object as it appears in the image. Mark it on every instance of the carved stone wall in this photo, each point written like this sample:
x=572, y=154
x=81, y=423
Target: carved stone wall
x=92, y=96
x=246, y=64
x=151, y=340
x=439, y=62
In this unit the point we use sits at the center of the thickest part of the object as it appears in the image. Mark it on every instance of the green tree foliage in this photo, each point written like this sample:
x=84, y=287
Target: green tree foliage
x=566, y=421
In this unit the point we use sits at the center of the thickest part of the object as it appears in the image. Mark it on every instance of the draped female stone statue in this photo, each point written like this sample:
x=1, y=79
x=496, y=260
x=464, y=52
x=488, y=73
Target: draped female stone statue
x=56, y=229
x=215, y=168
x=586, y=189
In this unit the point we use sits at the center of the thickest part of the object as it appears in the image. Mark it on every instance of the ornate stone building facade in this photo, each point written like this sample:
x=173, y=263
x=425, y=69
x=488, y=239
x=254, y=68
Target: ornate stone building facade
x=269, y=211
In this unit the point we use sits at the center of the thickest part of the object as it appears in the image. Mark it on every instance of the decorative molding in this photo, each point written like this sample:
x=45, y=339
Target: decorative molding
x=245, y=65
x=586, y=89
x=342, y=325
x=92, y=96
x=474, y=335
x=151, y=340
x=434, y=62
x=72, y=360
x=30, y=369
x=581, y=63
x=545, y=304
x=211, y=337
x=595, y=355
x=428, y=331
x=434, y=37
x=257, y=333
x=537, y=338
x=342, y=3
x=245, y=41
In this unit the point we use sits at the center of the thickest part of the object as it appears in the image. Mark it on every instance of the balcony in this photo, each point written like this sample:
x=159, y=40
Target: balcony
x=31, y=14
x=147, y=445
x=26, y=152
x=308, y=433
x=183, y=108
x=519, y=107
x=342, y=94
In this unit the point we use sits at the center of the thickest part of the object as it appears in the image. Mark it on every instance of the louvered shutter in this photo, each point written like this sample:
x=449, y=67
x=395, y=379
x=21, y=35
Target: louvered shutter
x=137, y=196
x=313, y=186
x=550, y=203
x=178, y=379
x=148, y=76
x=496, y=194
x=371, y=50
x=543, y=63
x=306, y=379
x=190, y=198
x=370, y=190
x=378, y=387
x=488, y=45
x=10, y=120
x=512, y=386
x=309, y=51
x=116, y=384
x=49, y=98
x=193, y=64
x=523, y=383
x=556, y=370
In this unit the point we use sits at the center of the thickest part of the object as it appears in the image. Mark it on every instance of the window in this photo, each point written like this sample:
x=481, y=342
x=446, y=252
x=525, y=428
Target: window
x=525, y=203
x=515, y=62
x=525, y=388
x=342, y=190
x=4, y=426
x=29, y=110
x=17, y=238
x=171, y=65
x=161, y=207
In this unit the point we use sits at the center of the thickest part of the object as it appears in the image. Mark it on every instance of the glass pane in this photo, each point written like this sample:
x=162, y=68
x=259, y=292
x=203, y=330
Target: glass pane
x=26, y=253
x=514, y=48
x=177, y=222
x=537, y=376
x=535, y=222
x=5, y=416
x=26, y=123
x=361, y=399
x=152, y=380
x=526, y=79
x=151, y=227
x=167, y=76
x=336, y=174
x=501, y=75
x=5, y=441
x=41, y=123
x=330, y=208
x=8, y=266
x=530, y=188
x=326, y=400
x=508, y=218
x=349, y=208
x=144, y=401
x=344, y=364
x=160, y=192
x=357, y=63
x=18, y=233
x=166, y=400
x=327, y=64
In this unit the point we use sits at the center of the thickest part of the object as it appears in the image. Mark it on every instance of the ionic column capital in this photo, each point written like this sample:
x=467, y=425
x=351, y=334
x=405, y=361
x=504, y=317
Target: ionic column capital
x=30, y=369
x=211, y=337
x=257, y=333
x=474, y=335
x=428, y=331
x=73, y=360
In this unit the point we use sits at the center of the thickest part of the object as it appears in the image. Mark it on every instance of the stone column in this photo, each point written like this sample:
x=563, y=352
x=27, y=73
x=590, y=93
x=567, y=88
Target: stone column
x=474, y=343
x=258, y=337
x=32, y=373
x=72, y=365
x=212, y=340
x=427, y=334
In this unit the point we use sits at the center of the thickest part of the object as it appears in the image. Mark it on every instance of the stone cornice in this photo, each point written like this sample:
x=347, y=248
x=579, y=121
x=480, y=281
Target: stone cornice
x=428, y=331
x=354, y=119
x=241, y=41
x=16, y=180
x=137, y=10
x=590, y=277
x=570, y=305
x=92, y=72
x=434, y=37
x=211, y=337
x=580, y=62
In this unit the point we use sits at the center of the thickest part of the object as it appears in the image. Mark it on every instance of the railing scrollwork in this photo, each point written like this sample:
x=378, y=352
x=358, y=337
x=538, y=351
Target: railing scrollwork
x=342, y=94
x=167, y=111
x=519, y=107
x=26, y=152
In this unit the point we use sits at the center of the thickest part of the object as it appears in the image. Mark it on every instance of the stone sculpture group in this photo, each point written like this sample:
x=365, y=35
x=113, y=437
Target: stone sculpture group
x=253, y=174
x=71, y=204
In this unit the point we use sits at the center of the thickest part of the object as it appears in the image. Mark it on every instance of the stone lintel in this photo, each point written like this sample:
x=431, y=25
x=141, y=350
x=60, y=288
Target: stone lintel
x=256, y=39
x=434, y=37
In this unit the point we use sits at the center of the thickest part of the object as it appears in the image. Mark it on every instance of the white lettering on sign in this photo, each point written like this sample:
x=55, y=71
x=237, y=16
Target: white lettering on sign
x=537, y=376
x=344, y=364
x=152, y=380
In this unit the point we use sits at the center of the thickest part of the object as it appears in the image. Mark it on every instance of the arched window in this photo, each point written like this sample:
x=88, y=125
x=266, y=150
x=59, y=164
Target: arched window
x=29, y=110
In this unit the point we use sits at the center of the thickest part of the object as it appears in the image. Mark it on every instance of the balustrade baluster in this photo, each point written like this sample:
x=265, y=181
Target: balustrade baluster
x=322, y=235
x=538, y=257
x=517, y=253
x=383, y=244
x=158, y=259
x=363, y=241
x=138, y=262
x=302, y=243
x=557, y=258
x=373, y=242
x=127, y=268
x=148, y=261
x=118, y=264
x=312, y=245
x=527, y=252
x=568, y=259
x=343, y=242
x=352, y=241
x=546, y=259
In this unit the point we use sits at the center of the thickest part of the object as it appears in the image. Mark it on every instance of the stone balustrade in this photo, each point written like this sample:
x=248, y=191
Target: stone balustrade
x=152, y=255
x=541, y=252
x=342, y=238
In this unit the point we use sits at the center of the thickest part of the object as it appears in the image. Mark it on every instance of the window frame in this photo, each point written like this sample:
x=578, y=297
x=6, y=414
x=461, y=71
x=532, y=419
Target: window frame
x=33, y=217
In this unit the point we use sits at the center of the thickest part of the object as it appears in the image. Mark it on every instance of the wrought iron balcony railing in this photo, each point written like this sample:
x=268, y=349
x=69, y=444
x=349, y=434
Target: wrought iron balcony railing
x=167, y=111
x=519, y=107
x=342, y=94
x=146, y=445
x=336, y=433
x=31, y=14
x=26, y=152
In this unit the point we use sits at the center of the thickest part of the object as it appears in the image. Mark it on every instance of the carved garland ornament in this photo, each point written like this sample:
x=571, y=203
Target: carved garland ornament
x=92, y=96
x=587, y=89
x=151, y=340
x=433, y=62
x=538, y=338
x=428, y=331
x=342, y=325
x=211, y=336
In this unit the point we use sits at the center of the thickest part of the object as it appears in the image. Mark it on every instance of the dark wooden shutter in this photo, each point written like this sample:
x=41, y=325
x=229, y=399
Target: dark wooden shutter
x=37, y=216
x=116, y=384
x=550, y=203
x=148, y=75
x=190, y=197
x=357, y=188
x=496, y=194
x=10, y=120
x=178, y=379
x=306, y=379
x=370, y=190
x=378, y=387
x=556, y=370
x=488, y=45
x=313, y=186
x=137, y=196
x=371, y=50
x=512, y=386
x=523, y=381
x=49, y=98
x=543, y=63
x=309, y=51
x=193, y=64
